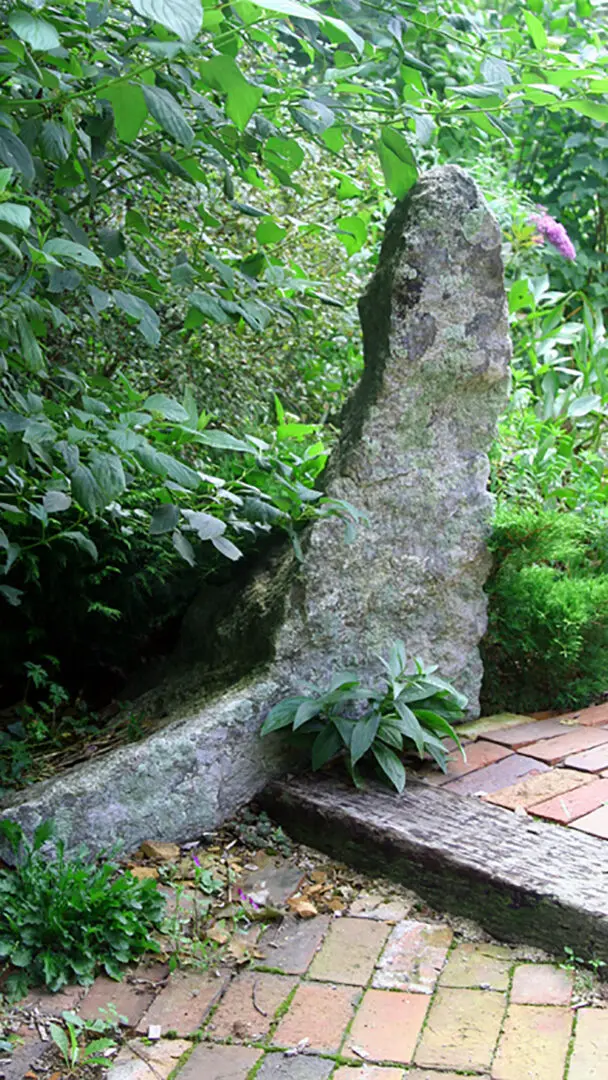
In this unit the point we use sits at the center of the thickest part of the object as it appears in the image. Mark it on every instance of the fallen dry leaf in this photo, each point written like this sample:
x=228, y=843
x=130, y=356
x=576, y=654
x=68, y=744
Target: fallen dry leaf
x=158, y=849
x=219, y=934
x=302, y=907
x=142, y=872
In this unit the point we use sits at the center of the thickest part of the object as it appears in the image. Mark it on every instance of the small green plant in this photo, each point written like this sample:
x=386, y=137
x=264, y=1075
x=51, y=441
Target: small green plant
x=414, y=710
x=62, y=918
x=69, y=1042
x=258, y=831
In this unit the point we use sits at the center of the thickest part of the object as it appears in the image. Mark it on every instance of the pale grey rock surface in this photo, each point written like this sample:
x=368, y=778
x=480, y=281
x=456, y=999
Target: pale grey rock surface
x=413, y=459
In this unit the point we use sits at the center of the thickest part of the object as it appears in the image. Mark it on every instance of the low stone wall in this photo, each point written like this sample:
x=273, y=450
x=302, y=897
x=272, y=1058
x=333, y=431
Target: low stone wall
x=413, y=460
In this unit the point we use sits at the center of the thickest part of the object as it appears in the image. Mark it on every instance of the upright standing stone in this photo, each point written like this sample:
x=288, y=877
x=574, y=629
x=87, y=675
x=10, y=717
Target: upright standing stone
x=414, y=450
x=413, y=458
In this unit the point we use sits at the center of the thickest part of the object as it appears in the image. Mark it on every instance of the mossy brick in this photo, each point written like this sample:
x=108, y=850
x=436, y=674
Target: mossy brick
x=462, y=1030
x=184, y=1003
x=350, y=951
x=219, y=1063
x=318, y=1013
x=590, y=1055
x=249, y=1005
x=478, y=964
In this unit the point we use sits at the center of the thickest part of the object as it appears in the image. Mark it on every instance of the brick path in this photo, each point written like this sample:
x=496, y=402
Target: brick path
x=362, y=998
x=554, y=768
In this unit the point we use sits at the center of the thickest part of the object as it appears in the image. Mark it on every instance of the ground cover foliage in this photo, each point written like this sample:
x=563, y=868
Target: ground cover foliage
x=191, y=198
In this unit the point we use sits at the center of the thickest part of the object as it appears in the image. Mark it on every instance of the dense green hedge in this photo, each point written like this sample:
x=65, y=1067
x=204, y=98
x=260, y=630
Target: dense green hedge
x=547, y=640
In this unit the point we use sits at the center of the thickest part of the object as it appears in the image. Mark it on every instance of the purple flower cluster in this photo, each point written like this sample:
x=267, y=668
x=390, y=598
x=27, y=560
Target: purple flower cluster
x=549, y=229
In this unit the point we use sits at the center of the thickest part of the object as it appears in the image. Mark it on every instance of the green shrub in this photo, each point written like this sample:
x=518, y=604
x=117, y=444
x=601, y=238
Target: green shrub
x=413, y=711
x=547, y=639
x=62, y=919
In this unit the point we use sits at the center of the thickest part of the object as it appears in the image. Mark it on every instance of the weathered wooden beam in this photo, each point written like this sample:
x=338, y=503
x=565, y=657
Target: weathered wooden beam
x=521, y=879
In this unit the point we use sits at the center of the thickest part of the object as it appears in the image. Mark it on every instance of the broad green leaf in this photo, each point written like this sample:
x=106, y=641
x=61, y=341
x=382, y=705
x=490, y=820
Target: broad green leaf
x=32, y=353
x=86, y=490
x=391, y=736
x=167, y=407
x=11, y=246
x=161, y=464
x=55, y=502
x=183, y=17
x=183, y=547
x=16, y=215
x=268, y=232
x=39, y=34
x=398, y=162
x=520, y=296
x=60, y=1038
x=209, y=307
x=326, y=745
x=14, y=152
x=11, y=595
x=55, y=141
x=536, y=30
x=129, y=107
x=137, y=308
x=164, y=519
x=582, y=406
x=591, y=109
x=363, y=736
x=352, y=233
x=309, y=708
x=109, y=474
x=205, y=525
x=281, y=715
x=167, y=112
x=67, y=249
x=226, y=548
x=242, y=98
x=83, y=542
x=391, y=765
x=408, y=724
x=221, y=440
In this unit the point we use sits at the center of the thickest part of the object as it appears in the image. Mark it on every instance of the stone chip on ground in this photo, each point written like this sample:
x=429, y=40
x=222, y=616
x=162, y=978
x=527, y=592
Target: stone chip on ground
x=145, y=1061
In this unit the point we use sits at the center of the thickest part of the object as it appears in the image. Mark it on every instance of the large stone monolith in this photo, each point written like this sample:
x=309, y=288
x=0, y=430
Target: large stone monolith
x=413, y=458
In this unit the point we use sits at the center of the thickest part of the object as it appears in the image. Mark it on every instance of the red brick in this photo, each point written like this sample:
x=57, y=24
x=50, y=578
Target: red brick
x=590, y=1057
x=413, y=957
x=292, y=945
x=594, y=716
x=538, y=787
x=596, y=824
x=130, y=1000
x=541, y=984
x=350, y=951
x=54, y=1004
x=534, y=1043
x=249, y=1005
x=525, y=734
x=495, y=777
x=184, y=1003
x=592, y=761
x=219, y=1063
x=319, y=1013
x=574, y=804
x=369, y=1072
x=479, y=754
x=387, y=1025
x=577, y=740
x=473, y=964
